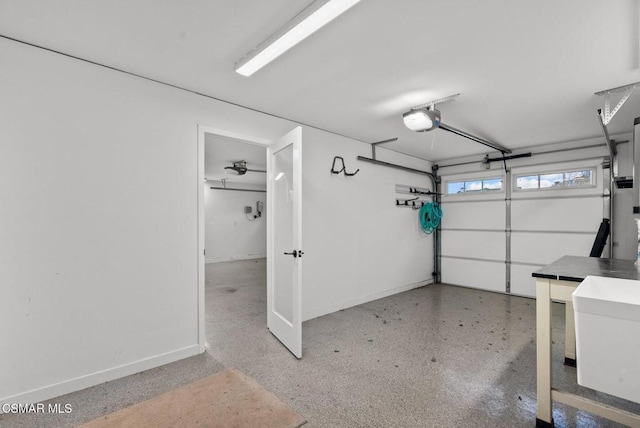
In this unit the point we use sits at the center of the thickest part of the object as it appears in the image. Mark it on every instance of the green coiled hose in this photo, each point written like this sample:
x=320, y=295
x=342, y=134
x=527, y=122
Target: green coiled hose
x=430, y=215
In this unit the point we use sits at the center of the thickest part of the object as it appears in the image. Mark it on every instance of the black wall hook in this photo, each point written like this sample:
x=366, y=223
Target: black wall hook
x=416, y=191
x=414, y=203
x=343, y=169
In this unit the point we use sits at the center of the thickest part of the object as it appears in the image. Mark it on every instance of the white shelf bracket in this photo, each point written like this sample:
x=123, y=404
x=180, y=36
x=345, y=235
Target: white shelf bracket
x=607, y=113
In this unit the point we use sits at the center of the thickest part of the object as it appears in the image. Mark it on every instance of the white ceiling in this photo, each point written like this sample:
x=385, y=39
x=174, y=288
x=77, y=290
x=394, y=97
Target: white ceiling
x=527, y=70
x=220, y=152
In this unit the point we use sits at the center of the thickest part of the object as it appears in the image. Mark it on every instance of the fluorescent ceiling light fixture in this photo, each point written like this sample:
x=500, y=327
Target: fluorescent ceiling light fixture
x=422, y=119
x=307, y=22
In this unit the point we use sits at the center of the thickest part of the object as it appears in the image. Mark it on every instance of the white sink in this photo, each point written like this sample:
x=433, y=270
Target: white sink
x=607, y=316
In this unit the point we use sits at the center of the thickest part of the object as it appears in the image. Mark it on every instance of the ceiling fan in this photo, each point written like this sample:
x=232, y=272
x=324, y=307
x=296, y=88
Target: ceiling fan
x=240, y=168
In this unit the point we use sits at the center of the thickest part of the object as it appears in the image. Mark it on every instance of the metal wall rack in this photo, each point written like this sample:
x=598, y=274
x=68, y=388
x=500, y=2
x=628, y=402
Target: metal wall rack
x=417, y=202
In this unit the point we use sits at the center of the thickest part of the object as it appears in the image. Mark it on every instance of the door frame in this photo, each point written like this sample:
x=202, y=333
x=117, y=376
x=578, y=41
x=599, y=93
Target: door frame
x=202, y=131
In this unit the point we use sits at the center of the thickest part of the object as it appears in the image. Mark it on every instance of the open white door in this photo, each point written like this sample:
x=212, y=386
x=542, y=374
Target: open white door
x=284, y=240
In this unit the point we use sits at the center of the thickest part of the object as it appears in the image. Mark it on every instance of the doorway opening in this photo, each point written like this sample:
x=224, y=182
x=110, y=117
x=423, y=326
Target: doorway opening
x=232, y=229
x=234, y=200
x=276, y=236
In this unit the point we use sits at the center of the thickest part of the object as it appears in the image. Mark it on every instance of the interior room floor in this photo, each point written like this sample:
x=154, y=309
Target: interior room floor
x=437, y=356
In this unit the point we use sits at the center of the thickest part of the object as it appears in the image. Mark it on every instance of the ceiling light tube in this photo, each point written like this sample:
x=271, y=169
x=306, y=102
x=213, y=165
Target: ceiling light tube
x=310, y=20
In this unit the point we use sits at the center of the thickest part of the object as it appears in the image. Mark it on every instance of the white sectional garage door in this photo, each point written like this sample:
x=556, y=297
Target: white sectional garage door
x=494, y=238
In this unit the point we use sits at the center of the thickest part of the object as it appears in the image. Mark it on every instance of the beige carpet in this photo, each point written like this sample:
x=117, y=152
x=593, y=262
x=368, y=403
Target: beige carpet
x=227, y=399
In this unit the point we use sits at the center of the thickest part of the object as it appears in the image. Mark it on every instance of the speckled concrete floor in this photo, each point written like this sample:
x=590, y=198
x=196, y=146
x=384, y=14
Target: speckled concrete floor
x=438, y=356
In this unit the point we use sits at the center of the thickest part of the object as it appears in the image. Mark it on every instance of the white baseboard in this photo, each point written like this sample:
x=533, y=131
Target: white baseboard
x=230, y=259
x=315, y=313
x=56, y=390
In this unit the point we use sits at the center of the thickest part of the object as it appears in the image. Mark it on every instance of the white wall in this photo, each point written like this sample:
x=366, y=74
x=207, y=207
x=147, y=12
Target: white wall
x=358, y=246
x=98, y=221
x=230, y=234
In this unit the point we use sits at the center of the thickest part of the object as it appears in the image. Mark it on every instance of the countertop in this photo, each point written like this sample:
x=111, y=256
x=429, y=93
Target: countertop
x=576, y=269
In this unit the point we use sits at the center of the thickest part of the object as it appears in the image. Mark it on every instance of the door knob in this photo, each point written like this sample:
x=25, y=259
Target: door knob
x=294, y=253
